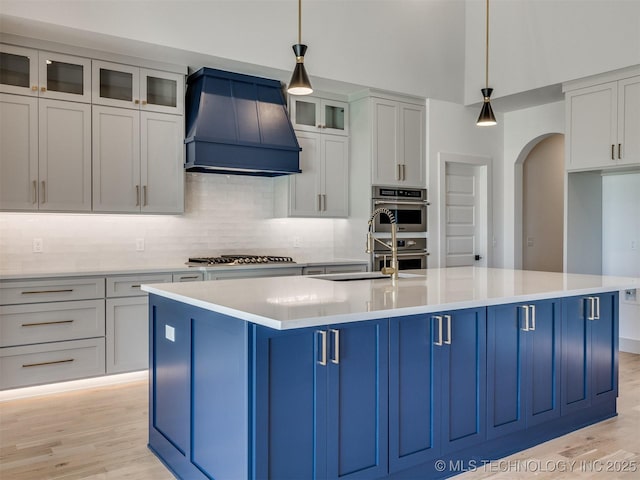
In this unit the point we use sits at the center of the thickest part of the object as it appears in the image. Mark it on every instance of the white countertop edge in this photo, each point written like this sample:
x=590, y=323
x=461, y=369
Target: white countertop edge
x=378, y=314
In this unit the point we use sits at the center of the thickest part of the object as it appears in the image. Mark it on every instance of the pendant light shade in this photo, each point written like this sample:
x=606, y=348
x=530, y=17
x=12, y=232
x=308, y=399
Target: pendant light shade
x=486, y=118
x=299, y=84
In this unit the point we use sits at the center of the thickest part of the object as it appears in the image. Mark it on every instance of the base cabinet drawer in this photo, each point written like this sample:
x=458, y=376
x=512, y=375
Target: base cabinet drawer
x=36, y=291
x=129, y=286
x=50, y=322
x=51, y=362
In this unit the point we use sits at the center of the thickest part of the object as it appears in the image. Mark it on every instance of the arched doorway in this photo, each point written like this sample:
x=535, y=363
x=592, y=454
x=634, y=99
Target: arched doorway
x=541, y=167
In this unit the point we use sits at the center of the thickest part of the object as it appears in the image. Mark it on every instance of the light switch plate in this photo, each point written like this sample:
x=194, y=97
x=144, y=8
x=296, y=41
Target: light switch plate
x=170, y=333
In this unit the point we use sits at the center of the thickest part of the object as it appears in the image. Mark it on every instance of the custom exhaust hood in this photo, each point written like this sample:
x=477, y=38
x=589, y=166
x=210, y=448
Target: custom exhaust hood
x=238, y=124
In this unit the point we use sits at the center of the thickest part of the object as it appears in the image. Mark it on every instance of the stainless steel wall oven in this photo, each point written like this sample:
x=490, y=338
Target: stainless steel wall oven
x=409, y=206
x=412, y=253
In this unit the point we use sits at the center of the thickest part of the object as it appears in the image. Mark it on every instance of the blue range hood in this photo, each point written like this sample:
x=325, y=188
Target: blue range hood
x=238, y=124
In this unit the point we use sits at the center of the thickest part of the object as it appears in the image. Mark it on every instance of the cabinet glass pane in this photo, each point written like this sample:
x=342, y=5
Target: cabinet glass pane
x=334, y=117
x=14, y=69
x=305, y=113
x=65, y=77
x=116, y=85
x=161, y=91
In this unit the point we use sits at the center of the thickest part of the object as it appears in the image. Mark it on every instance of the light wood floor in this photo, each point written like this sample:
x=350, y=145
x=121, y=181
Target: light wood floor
x=102, y=434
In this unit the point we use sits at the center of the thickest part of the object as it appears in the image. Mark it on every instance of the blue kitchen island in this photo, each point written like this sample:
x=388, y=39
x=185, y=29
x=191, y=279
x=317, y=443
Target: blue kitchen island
x=335, y=377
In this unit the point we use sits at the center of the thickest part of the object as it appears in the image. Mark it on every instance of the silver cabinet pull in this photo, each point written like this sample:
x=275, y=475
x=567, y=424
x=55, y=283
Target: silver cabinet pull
x=323, y=347
x=33, y=292
x=144, y=190
x=619, y=151
x=526, y=318
x=137, y=195
x=27, y=365
x=399, y=172
x=44, y=193
x=439, y=342
x=135, y=286
x=336, y=346
x=319, y=202
x=188, y=277
x=448, y=340
x=533, y=317
x=324, y=202
x=404, y=172
x=597, y=313
x=592, y=308
x=35, y=191
x=613, y=147
x=39, y=324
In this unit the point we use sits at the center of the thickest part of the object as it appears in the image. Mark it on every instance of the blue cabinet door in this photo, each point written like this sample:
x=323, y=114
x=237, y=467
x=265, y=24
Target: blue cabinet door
x=413, y=425
x=523, y=365
x=357, y=400
x=290, y=395
x=590, y=350
x=462, y=363
x=170, y=362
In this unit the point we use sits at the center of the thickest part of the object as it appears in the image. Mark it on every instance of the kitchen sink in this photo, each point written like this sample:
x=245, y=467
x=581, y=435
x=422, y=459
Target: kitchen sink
x=350, y=277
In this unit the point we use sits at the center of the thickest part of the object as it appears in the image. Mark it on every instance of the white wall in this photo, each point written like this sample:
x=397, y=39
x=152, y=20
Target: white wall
x=536, y=43
x=451, y=128
x=405, y=46
x=621, y=247
x=231, y=214
x=523, y=129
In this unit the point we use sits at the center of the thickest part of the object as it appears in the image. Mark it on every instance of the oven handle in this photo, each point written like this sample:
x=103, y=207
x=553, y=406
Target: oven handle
x=400, y=202
x=415, y=254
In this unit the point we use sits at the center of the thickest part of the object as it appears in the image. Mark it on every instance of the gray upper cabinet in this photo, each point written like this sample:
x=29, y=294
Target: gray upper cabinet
x=25, y=71
x=602, y=125
x=137, y=161
x=45, y=160
x=398, y=148
x=127, y=86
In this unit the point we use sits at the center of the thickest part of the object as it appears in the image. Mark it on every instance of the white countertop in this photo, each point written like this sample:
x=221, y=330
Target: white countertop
x=295, y=302
x=92, y=271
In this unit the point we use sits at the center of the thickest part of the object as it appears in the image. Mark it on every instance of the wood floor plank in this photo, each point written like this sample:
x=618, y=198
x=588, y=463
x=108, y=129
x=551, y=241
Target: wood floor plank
x=101, y=434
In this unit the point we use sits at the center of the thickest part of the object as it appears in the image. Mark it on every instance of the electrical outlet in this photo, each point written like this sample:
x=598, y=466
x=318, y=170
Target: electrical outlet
x=529, y=241
x=630, y=295
x=634, y=245
x=139, y=244
x=297, y=242
x=38, y=245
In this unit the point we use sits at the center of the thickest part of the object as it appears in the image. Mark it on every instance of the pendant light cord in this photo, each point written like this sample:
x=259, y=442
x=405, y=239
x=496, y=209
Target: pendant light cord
x=300, y=21
x=487, y=50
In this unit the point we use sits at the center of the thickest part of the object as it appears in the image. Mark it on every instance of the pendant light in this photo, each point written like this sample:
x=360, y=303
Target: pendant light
x=486, y=118
x=299, y=84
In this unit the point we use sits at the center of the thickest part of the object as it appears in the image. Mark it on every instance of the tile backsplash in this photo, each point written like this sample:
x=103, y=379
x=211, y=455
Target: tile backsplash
x=223, y=214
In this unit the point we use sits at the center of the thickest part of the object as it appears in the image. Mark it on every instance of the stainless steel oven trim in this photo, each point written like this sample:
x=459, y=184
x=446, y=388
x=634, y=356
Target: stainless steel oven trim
x=401, y=202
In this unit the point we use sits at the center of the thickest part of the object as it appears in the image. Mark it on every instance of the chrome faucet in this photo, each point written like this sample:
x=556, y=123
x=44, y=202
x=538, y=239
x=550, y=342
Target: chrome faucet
x=393, y=268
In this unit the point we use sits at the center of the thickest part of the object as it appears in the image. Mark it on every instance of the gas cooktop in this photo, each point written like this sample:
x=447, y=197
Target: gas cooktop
x=225, y=260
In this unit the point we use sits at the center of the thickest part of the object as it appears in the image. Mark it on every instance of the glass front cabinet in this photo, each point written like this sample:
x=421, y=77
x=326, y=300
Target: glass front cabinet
x=315, y=114
x=126, y=86
x=25, y=71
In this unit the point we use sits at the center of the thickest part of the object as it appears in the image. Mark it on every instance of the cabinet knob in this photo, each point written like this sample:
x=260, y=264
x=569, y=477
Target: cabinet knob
x=136, y=101
x=34, y=88
x=43, y=89
x=144, y=102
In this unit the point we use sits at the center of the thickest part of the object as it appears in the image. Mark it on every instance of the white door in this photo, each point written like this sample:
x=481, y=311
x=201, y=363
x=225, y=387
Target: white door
x=465, y=215
x=305, y=200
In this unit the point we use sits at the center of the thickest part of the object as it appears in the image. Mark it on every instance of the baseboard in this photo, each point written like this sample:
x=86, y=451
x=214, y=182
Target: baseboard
x=629, y=345
x=51, y=388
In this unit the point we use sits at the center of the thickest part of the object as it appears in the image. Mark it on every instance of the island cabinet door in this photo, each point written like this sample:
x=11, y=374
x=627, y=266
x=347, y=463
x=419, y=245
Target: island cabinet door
x=462, y=363
x=589, y=350
x=289, y=403
x=523, y=365
x=413, y=427
x=357, y=394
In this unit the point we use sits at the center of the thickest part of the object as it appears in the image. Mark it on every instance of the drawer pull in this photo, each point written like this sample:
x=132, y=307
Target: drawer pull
x=66, y=290
x=28, y=365
x=135, y=286
x=58, y=322
x=188, y=277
